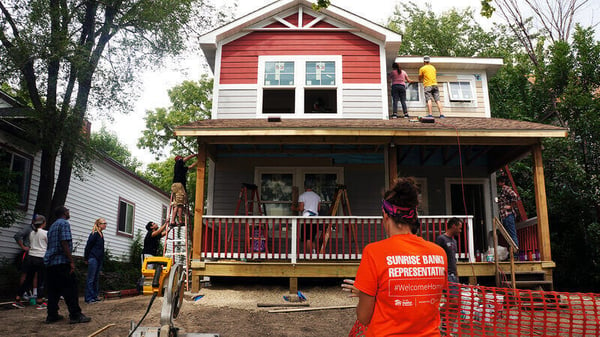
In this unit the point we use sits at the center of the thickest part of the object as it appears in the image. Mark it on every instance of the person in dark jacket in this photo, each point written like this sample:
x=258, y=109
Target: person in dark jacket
x=94, y=256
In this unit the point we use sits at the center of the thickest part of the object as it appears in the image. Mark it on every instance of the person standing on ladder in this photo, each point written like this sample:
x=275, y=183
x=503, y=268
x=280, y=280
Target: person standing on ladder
x=308, y=205
x=506, y=201
x=178, y=188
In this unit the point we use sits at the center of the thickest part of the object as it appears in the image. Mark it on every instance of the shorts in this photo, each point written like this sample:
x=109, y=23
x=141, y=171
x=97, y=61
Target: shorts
x=179, y=194
x=309, y=230
x=432, y=93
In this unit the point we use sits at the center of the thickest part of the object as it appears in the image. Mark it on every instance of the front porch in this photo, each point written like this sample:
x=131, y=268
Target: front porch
x=276, y=246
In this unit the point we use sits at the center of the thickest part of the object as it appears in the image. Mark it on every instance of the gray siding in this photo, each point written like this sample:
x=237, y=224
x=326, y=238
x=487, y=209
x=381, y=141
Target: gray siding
x=362, y=102
x=237, y=103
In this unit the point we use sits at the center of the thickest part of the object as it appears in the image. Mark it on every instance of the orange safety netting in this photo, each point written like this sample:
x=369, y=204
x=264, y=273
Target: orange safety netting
x=487, y=311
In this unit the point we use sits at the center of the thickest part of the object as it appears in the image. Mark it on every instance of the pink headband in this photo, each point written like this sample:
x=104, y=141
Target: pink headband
x=397, y=211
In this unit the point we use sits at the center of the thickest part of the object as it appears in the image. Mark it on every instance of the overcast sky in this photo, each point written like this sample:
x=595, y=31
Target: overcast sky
x=153, y=92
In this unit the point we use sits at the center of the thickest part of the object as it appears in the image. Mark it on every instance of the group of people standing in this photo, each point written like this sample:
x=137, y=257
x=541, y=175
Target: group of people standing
x=400, y=81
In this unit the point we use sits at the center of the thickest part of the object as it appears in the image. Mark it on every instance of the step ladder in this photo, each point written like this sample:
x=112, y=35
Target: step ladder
x=340, y=200
x=256, y=236
x=176, y=240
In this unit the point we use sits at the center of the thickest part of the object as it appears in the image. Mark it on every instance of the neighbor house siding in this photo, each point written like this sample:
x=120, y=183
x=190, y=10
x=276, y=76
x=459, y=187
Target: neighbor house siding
x=239, y=58
x=97, y=195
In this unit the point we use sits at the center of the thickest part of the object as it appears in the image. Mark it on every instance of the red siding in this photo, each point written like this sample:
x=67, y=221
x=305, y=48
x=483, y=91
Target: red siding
x=306, y=19
x=293, y=19
x=360, y=58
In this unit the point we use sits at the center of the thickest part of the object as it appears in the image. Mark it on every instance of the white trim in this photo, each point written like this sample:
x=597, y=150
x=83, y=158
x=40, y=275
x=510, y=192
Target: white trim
x=487, y=195
x=383, y=87
x=300, y=83
x=210, y=193
x=486, y=95
x=458, y=103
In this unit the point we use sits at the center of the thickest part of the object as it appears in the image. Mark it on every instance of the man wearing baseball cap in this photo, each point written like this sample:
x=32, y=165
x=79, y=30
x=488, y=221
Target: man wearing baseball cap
x=428, y=75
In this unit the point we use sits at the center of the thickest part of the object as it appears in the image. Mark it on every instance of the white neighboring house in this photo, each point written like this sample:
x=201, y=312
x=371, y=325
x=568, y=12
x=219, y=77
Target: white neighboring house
x=111, y=191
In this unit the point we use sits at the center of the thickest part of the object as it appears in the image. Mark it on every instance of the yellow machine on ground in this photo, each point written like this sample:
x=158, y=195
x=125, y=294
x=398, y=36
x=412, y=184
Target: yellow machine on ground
x=155, y=271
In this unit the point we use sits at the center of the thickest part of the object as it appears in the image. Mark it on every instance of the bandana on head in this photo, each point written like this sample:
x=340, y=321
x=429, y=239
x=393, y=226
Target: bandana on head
x=409, y=213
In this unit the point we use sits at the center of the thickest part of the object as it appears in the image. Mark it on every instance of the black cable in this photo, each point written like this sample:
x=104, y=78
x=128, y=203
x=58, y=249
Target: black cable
x=146, y=313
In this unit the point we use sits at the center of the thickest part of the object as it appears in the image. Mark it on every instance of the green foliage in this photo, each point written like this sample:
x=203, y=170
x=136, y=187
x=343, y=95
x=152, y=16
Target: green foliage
x=135, y=250
x=9, y=207
x=66, y=56
x=108, y=143
x=191, y=101
x=561, y=89
x=452, y=33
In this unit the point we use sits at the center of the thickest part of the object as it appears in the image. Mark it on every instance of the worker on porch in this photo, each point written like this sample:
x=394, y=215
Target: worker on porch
x=308, y=205
x=506, y=201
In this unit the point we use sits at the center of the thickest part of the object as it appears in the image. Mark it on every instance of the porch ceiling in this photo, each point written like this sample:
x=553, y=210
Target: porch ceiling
x=500, y=140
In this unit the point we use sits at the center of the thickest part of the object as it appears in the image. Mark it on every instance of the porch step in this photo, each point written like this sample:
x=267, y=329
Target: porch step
x=529, y=280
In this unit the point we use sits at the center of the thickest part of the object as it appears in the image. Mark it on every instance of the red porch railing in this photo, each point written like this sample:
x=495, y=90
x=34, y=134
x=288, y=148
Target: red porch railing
x=286, y=238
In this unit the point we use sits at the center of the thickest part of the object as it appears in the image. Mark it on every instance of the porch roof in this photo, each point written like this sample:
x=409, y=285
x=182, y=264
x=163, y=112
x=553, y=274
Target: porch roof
x=372, y=131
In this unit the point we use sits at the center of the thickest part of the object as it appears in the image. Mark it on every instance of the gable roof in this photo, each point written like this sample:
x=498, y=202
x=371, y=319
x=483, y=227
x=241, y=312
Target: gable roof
x=337, y=17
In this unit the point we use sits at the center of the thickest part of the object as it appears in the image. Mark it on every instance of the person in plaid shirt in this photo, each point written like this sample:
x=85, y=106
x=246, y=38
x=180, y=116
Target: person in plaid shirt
x=60, y=268
x=506, y=200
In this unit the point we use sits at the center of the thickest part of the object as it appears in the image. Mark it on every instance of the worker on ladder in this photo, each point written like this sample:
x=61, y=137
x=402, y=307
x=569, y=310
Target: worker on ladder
x=178, y=188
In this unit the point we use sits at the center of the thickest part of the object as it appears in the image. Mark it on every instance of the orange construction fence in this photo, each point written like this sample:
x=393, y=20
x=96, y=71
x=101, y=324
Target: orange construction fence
x=487, y=311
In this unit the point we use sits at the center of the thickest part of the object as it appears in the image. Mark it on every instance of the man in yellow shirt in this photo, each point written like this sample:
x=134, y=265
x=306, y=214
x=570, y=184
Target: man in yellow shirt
x=428, y=75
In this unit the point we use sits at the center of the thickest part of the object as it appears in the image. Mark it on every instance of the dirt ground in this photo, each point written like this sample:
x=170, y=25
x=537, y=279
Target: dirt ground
x=225, y=309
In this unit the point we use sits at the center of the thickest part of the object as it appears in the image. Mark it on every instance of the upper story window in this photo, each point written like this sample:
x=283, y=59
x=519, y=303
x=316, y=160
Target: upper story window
x=300, y=85
x=461, y=91
x=126, y=217
x=415, y=97
x=19, y=169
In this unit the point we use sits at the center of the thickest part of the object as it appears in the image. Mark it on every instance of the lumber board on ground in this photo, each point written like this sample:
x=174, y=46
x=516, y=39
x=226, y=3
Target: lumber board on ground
x=314, y=309
x=282, y=304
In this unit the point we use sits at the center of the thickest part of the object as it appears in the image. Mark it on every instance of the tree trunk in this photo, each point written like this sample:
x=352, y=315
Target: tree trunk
x=44, y=196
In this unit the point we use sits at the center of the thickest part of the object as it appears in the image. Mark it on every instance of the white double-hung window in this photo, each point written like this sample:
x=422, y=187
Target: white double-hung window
x=299, y=85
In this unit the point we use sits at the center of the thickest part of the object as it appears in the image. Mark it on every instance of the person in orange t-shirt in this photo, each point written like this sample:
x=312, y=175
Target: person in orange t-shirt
x=400, y=279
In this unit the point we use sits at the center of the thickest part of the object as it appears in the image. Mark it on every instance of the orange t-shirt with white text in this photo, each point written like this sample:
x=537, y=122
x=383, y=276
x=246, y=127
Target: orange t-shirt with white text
x=406, y=274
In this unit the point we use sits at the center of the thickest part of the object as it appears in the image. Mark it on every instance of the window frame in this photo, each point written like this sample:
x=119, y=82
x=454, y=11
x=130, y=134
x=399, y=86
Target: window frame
x=300, y=85
x=298, y=174
x=25, y=189
x=124, y=231
x=461, y=102
x=421, y=101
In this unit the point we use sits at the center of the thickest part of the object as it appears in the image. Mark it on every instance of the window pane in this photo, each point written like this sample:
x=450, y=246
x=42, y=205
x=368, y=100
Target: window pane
x=129, y=220
x=324, y=185
x=279, y=73
x=21, y=167
x=466, y=90
x=412, y=92
x=320, y=73
x=320, y=101
x=122, y=215
x=279, y=101
x=276, y=193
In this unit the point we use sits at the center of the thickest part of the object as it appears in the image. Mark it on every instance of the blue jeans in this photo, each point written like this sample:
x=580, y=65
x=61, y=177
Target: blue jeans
x=511, y=228
x=399, y=94
x=92, y=286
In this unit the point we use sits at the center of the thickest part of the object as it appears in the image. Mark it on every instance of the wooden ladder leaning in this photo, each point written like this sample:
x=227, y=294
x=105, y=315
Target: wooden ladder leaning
x=340, y=199
x=255, y=237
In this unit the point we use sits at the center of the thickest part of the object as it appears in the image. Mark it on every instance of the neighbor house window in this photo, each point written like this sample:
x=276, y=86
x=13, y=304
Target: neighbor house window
x=126, y=217
x=17, y=168
x=415, y=95
x=460, y=91
x=299, y=84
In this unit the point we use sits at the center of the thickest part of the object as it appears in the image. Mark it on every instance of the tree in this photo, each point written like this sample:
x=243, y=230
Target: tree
x=67, y=55
x=191, y=101
x=452, y=33
x=108, y=143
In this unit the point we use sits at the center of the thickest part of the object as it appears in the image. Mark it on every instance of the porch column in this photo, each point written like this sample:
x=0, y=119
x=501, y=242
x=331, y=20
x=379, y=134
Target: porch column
x=392, y=164
x=198, y=210
x=541, y=204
